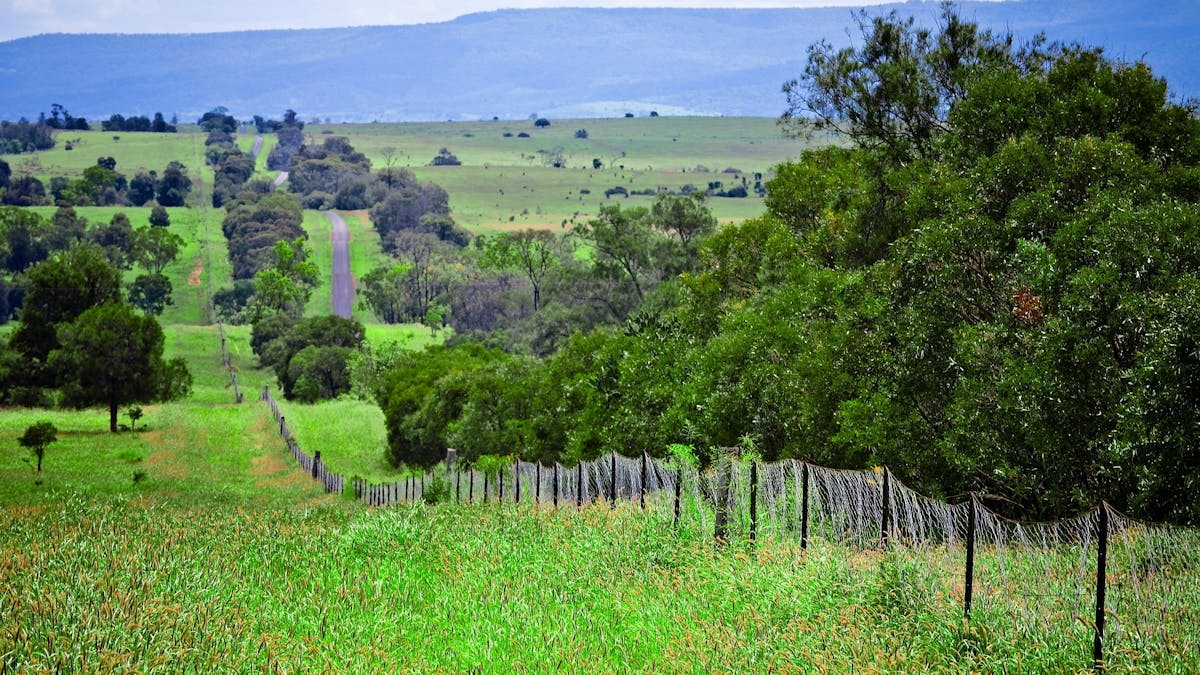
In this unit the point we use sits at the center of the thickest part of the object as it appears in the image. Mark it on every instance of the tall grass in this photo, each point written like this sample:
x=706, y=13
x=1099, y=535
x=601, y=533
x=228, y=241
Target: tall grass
x=137, y=584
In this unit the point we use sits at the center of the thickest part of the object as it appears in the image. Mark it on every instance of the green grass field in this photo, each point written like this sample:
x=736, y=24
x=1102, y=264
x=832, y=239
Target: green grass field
x=504, y=182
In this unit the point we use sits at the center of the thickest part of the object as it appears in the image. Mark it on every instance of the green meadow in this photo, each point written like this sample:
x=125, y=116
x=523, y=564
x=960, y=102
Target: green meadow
x=505, y=182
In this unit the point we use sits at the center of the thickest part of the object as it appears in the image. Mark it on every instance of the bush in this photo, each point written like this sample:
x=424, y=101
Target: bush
x=581, y=133
x=319, y=201
x=437, y=491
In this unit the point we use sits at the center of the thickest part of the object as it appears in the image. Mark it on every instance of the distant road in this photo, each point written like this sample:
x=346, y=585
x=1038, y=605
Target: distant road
x=280, y=178
x=343, y=285
x=258, y=141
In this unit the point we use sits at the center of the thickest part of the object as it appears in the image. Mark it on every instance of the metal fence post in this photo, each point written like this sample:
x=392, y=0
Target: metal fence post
x=1101, y=583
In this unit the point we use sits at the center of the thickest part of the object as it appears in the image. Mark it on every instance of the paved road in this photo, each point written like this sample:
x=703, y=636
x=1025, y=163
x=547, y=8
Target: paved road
x=258, y=141
x=343, y=284
x=280, y=178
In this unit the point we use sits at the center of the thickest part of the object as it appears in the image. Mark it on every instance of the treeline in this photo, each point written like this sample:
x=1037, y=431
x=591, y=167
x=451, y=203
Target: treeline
x=100, y=185
x=24, y=136
x=79, y=342
x=27, y=239
x=138, y=123
x=993, y=290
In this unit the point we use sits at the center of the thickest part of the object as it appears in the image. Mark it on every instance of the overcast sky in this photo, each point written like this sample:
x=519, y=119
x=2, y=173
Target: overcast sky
x=20, y=18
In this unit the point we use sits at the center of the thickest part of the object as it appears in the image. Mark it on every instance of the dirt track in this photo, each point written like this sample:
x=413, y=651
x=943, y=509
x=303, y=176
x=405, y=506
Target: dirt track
x=343, y=284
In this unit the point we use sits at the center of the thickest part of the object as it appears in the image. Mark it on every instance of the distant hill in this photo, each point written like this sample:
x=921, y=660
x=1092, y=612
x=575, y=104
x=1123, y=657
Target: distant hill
x=513, y=63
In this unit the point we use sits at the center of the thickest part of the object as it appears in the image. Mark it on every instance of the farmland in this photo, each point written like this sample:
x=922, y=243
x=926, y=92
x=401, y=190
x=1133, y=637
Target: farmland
x=196, y=543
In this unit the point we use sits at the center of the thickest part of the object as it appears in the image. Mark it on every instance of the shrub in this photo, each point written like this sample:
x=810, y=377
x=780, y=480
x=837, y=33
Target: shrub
x=437, y=491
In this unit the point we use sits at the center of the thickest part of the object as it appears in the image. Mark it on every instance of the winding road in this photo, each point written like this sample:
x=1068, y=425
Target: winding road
x=343, y=284
x=258, y=143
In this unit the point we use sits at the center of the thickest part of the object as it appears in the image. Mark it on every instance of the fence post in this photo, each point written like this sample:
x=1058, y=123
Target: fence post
x=678, y=492
x=316, y=463
x=753, y=500
x=612, y=491
x=457, y=485
x=471, y=488
x=1101, y=582
x=556, y=486
x=485, y=488
x=969, y=582
x=804, y=507
x=579, y=486
x=282, y=428
x=500, y=482
x=886, y=521
x=517, y=480
x=721, y=508
x=537, y=483
x=643, y=490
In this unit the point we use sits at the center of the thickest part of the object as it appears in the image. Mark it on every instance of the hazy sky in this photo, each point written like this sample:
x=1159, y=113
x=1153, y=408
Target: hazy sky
x=20, y=18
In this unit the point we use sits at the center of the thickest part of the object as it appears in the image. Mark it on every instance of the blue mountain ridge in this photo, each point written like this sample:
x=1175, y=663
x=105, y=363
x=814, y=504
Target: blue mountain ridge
x=513, y=63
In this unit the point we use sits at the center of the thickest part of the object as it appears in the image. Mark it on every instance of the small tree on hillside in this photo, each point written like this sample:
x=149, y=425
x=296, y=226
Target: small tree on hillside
x=541, y=122
x=37, y=438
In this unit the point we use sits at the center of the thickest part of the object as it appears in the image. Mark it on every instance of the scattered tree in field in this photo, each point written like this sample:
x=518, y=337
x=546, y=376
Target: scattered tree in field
x=173, y=188
x=581, y=133
x=159, y=216
x=37, y=438
x=541, y=123
x=445, y=158
x=156, y=247
x=151, y=293
x=111, y=356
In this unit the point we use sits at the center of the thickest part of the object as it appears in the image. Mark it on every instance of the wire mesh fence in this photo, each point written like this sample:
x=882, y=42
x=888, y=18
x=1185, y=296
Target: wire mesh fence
x=1111, y=581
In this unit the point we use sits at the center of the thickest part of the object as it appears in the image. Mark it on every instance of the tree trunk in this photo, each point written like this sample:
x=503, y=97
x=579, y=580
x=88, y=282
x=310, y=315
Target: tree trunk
x=112, y=417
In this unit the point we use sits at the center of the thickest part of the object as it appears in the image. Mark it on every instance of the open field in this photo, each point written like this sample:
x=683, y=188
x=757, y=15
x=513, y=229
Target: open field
x=506, y=183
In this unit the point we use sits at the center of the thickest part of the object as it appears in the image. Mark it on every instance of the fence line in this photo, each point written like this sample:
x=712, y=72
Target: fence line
x=864, y=509
x=227, y=360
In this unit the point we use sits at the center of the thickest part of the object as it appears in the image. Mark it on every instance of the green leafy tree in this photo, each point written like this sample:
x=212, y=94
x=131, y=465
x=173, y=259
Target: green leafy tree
x=158, y=215
x=151, y=293
x=155, y=248
x=287, y=285
x=37, y=438
x=58, y=290
x=173, y=188
x=111, y=356
x=623, y=244
x=532, y=253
